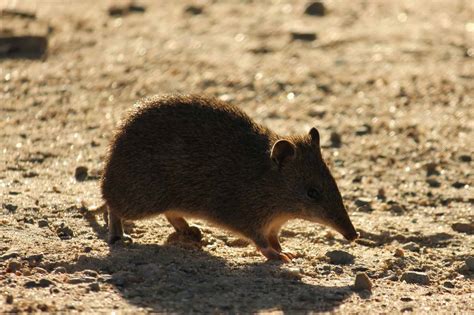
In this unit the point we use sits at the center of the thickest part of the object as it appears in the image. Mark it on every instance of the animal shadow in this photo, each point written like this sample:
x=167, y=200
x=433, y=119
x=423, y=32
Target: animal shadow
x=169, y=278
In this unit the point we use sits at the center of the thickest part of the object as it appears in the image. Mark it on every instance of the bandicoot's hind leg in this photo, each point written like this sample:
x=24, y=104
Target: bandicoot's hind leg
x=181, y=226
x=116, y=229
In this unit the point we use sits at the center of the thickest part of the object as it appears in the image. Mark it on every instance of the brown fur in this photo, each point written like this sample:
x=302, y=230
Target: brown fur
x=192, y=156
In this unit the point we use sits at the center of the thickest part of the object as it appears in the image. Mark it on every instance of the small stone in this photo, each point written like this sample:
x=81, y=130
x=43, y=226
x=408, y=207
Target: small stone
x=13, y=266
x=194, y=9
x=415, y=277
x=458, y=185
x=43, y=223
x=90, y=273
x=30, y=284
x=40, y=270
x=339, y=257
x=10, y=207
x=462, y=227
x=291, y=272
x=411, y=246
x=84, y=279
x=336, y=140
x=362, y=282
x=363, y=204
x=10, y=254
x=448, y=284
x=54, y=290
x=470, y=263
x=381, y=195
x=87, y=249
x=44, y=283
x=94, y=286
x=81, y=173
x=26, y=46
x=133, y=7
x=465, y=158
x=433, y=183
x=399, y=253
x=59, y=269
x=396, y=208
x=365, y=129
x=35, y=258
x=9, y=299
x=303, y=36
x=19, y=13
x=431, y=169
x=315, y=8
x=64, y=232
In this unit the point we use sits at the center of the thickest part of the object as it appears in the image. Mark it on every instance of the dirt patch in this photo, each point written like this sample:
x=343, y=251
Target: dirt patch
x=389, y=86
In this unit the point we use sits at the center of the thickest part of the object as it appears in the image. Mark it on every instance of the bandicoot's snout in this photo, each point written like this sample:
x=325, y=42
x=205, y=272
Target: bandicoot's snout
x=351, y=236
x=344, y=226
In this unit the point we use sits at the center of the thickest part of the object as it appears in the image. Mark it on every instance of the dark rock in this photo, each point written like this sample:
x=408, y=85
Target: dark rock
x=415, y=277
x=10, y=207
x=381, y=194
x=30, y=47
x=397, y=208
x=411, y=246
x=304, y=36
x=431, y=169
x=81, y=173
x=9, y=299
x=133, y=7
x=465, y=158
x=336, y=140
x=10, y=254
x=462, y=227
x=18, y=13
x=64, y=232
x=458, y=185
x=363, y=204
x=339, y=257
x=448, y=284
x=315, y=8
x=365, y=129
x=433, y=183
x=194, y=9
x=44, y=283
x=13, y=266
x=43, y=223
x=470, y=263
x=94, y=286
x=362, y=282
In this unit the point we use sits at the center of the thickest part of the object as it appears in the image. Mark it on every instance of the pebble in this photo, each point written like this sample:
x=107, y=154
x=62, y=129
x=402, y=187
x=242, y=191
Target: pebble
x=396, y=208
x=194, y=9
x=23, y=46
x=303, y=36
x=84, y=279
x=411, y=246
x=465, y=158
x=13, y=266
x=10, y=254
x=90, y=273
x=458, y=185
x=462, y=227
x=43, y=223
x=9, y=299
x=339, y=257
x=64, y=232
x=363, y=204
x=362, y=282
x=365, y=129
x=399, y=253
x=94, y=286
x=431, y=169
x=81, y=173
x=291, y=272
x=59, y=269
x=10, y=207
x=381, y=195
x=87, y=249
x=315, y=8
x=335, y=139
x=470, y=263
x=42, y=283
x=415, y=277
x=448, y=284
x=433, y=183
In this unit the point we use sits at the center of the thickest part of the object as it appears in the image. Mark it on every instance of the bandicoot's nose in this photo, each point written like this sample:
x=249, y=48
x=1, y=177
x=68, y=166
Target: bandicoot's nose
x=351, y=236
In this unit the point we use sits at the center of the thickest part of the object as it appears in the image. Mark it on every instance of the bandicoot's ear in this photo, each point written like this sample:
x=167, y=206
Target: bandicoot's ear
x=282, y=152
x=314, y=134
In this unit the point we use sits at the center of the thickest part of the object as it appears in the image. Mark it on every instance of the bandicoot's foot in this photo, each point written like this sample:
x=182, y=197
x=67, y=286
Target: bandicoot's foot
x=124, y=238
x=272, y=254
x=289, y=255
x=192, y=232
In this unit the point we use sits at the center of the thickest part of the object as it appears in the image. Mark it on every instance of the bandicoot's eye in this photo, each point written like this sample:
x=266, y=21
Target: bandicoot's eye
x=313, y=193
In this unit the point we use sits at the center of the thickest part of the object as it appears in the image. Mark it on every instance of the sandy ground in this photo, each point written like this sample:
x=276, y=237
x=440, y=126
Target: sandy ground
x=393, y=79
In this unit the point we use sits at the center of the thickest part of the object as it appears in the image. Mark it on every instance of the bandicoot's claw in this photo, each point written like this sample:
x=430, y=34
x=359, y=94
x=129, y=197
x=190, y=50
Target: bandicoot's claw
x=291, y=256
x=272, y=254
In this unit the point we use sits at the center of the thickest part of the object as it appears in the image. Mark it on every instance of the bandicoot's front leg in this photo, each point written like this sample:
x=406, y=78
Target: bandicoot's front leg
x=268, y=251
x=116, y=230
x=275, y=244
